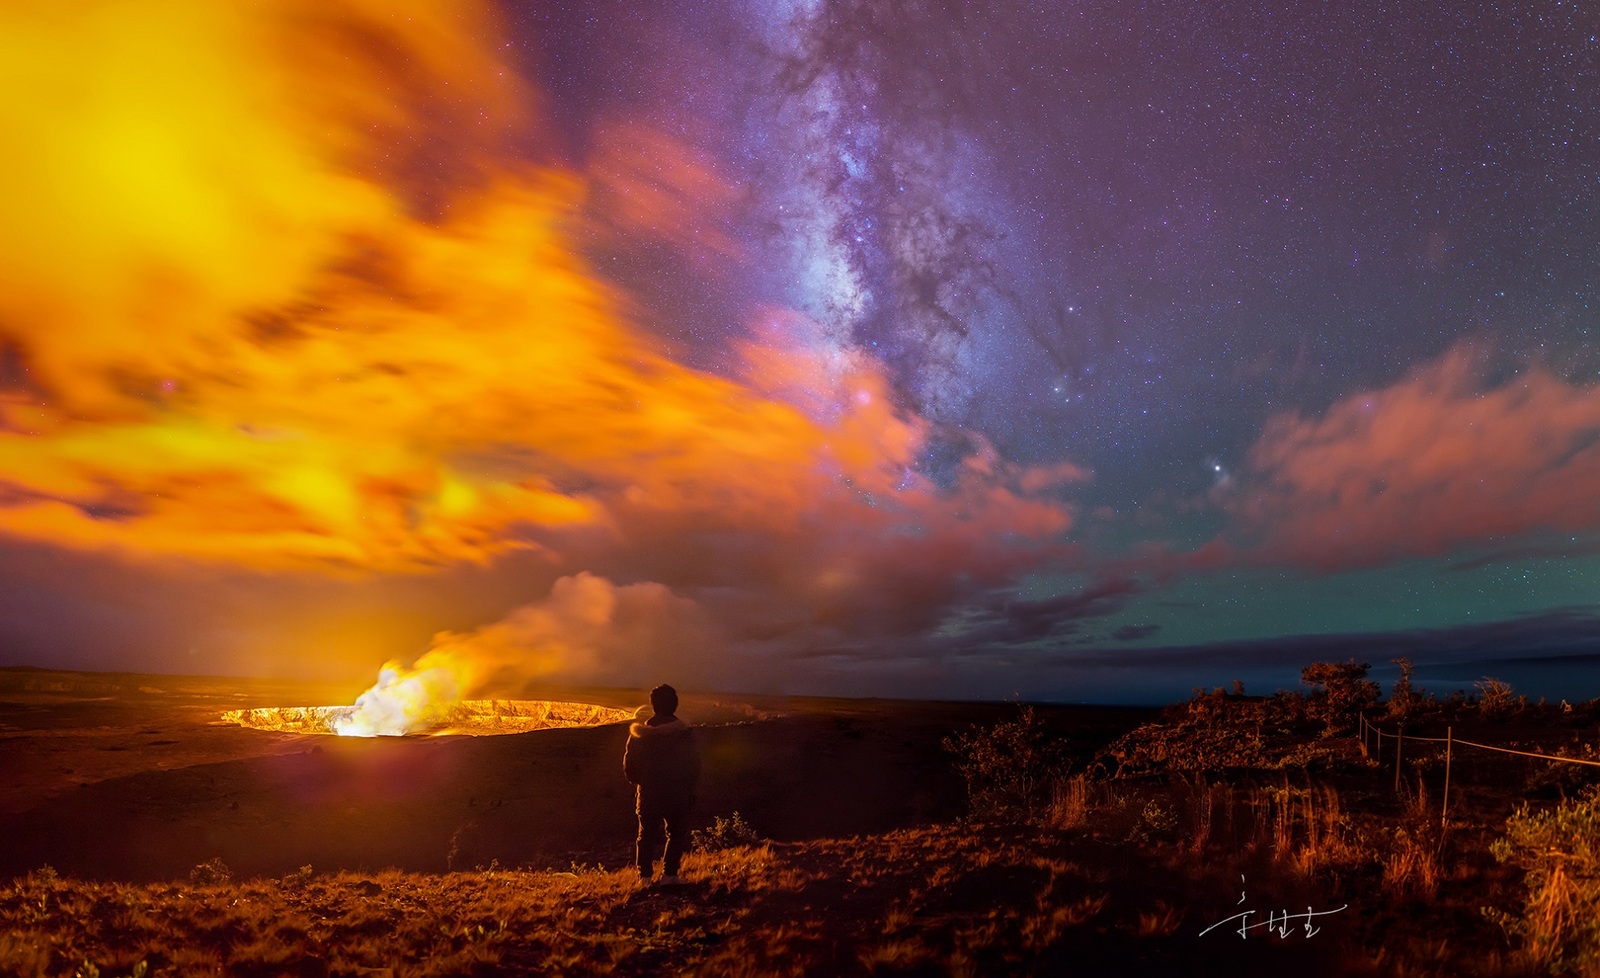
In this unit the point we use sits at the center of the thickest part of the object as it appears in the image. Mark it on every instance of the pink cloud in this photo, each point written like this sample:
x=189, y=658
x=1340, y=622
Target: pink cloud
x=1442, y=459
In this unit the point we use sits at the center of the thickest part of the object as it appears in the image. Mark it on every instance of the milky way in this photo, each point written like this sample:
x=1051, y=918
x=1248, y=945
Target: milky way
x=1132, y=236
x=1129, y=233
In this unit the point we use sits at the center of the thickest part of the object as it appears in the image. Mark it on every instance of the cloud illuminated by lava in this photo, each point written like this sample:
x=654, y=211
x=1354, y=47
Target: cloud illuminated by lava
x=1443, y=458
x=287, y=287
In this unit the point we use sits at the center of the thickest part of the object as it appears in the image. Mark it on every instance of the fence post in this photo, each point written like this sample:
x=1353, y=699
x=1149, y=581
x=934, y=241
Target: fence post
x=1399, y=747
x=1378, y=755
x=1444, y=802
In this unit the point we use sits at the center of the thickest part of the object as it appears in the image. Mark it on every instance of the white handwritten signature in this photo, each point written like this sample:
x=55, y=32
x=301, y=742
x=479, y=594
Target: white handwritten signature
x=1278, y=922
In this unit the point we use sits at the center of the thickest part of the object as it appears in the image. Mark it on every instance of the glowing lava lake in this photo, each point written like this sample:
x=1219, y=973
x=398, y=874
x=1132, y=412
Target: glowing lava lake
x=471, y=718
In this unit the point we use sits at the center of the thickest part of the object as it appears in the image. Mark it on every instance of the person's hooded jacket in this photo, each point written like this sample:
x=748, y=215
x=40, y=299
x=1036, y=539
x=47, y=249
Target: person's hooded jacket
x=662, y=759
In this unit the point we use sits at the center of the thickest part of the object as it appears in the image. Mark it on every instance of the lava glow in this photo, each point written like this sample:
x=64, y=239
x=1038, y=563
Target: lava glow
x=467, y=718
x=423, y=700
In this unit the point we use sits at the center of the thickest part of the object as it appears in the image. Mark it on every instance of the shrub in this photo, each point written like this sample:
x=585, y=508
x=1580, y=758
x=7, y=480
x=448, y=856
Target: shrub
x=1207, y=709
x=1559, y=852
x=1285, y=709
x=1566, y=780
x=1008, y=767
x=1315, y=755
x=1211, y=732
x=212, y=872
x=1157, y=822
x=1495, y=701
x=725, y=833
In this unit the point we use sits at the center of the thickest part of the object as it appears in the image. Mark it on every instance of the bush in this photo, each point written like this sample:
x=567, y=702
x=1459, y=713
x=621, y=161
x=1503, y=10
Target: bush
x=1188, y=746
x=1495, y=701
x=212, y=872
x=1009, y=768
x=1207, y=709
x=725, y=833
x=1315, y=755
x=1566, y=780
x=1559, y=852
x=1157, y=823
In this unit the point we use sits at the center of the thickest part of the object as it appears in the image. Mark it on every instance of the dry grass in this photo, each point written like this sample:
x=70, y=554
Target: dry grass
x=1411, y=869
x=1069, y=802
x=1207, y=804
x=947, y=900
x=1161, y=922
x=1307, y=830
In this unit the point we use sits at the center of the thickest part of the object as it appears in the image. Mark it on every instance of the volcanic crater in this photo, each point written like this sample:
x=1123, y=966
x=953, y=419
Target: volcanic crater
x=470, y=718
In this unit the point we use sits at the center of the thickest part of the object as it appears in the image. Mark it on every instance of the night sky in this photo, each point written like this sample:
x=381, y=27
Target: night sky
x=1062, y=351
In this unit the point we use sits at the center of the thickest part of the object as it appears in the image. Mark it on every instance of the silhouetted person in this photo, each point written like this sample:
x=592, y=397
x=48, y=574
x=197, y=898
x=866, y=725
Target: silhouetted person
x=662, y=760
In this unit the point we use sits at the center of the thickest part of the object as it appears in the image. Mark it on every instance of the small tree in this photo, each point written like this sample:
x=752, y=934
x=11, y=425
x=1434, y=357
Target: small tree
x=1339, y=692
x=1404, y=701
x=1008, y=767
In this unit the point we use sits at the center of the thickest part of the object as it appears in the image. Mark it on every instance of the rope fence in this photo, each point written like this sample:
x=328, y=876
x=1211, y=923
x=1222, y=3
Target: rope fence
x=1450, y=741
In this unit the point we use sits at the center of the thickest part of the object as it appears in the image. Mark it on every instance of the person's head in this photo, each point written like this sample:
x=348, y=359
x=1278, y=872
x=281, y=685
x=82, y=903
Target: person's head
x=664, y=700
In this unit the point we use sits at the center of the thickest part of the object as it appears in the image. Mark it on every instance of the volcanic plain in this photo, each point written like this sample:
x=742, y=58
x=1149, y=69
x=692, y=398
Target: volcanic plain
x=138, y=778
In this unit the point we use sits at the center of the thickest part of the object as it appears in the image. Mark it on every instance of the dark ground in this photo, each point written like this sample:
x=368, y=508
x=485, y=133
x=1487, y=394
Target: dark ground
x=134, y=778
x=124, y=784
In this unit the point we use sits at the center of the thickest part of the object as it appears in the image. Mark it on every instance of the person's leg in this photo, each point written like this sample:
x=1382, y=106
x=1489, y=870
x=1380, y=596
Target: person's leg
x=649, y=844
x=677, y=842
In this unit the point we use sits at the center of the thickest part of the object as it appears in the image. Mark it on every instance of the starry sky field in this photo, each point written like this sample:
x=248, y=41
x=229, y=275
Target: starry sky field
x=930, y=349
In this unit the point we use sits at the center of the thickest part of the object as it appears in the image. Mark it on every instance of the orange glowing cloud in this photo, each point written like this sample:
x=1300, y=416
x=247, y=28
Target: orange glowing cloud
x=174, y=165
x=285, y=290
x=203, y=202
x=1441, y=459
